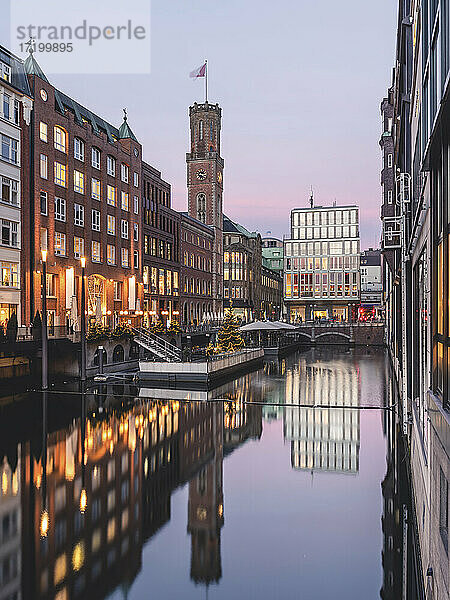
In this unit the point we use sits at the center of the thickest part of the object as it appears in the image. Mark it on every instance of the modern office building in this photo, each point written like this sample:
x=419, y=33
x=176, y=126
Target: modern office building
x=321, y=263
x=15, y=115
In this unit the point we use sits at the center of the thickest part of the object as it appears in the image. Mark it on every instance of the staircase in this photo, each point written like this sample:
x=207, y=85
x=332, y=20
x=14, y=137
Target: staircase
x=163, y=350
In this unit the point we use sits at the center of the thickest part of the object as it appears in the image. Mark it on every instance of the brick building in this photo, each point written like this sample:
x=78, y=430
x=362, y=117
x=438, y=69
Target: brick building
x=82, y=199
x=197, y=250
x=161, y=249
x=271, y=293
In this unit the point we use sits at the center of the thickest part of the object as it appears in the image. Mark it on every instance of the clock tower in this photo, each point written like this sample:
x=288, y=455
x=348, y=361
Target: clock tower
x=205, y=184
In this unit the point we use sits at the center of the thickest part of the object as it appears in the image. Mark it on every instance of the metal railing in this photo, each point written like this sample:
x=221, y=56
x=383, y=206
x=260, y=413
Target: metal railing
x=156, y=345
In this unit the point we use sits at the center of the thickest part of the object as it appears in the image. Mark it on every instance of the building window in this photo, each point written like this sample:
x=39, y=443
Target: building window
x=96, y=257
x=111, y=195
x=124, y=172
x=59, y=138
x=60, y=174
x=43, y=166
x=111, y=254
x=111, y=165
x=136, y=259
x=135, y=232
x=43, y=197
x=200, y=130
x=9, y=191
x=124, y=202
x=60, y=209
x=79, y=215
x=111, y=229
x=9, y=274
x=95, y=158
x=10, y=233
x=201, y=207
x=60, y=244
x=78, y=247
x=389, y=161
x=43, y=131
x=124, y=229
x=136, y=179
x=78, y=149
x=136, y=205
x=10, y=149
x=95, y=189
x=78, y=182
x=389, y=197
x=95, y=220
x=125, y=258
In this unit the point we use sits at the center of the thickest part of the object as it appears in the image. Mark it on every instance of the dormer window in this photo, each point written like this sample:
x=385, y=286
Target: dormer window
x=5, y=71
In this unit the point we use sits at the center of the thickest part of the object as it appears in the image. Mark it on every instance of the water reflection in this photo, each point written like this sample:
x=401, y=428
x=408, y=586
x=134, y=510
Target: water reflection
x=87, y=482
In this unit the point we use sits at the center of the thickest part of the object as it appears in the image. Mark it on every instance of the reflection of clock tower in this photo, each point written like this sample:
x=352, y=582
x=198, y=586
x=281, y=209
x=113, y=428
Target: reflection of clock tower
x=205, y=510
x=205, y=182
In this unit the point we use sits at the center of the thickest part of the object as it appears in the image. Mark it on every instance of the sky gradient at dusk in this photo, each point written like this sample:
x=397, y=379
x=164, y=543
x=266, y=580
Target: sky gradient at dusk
x=300, y=85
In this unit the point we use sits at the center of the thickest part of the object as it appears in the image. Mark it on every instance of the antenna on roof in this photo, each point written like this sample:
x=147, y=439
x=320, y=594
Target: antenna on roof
x=334, y=202
x=311, y=199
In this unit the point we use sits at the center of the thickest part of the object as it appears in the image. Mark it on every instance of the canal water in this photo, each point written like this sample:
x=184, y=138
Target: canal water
x=285, y=483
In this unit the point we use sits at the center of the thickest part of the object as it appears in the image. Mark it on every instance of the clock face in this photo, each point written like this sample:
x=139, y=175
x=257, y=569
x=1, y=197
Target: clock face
x=219, y=177
x=201, y=174
x=44, y=95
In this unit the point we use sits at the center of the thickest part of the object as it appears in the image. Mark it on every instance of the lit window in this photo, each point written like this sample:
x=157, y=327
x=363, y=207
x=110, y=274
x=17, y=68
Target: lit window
x=9, y=274
x=124, y=202
x=79, y=215
x=125, y=262
x=111, y=255
x=95, y=189
x=111, y=195
x=60, y=174
x=111, y=229
x=60, y=138
x=78, y=149
x=43, y=131
x=5, y=71
x=96, y=257
x=78, y=182
x=96, y=158
x=60, y=244
x=43, y=166
x=60, y=209
x=78, y=247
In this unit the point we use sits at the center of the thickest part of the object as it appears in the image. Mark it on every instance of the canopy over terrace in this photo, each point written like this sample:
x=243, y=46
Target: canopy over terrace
x=261, y=326
x=269, y=334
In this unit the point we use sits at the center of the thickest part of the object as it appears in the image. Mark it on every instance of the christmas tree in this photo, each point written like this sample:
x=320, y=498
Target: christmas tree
x=228, y=338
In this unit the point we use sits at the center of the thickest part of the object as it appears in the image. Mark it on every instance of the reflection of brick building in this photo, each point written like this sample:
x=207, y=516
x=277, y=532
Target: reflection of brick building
x=10, y=530
x=160, y=244
x=84, y=178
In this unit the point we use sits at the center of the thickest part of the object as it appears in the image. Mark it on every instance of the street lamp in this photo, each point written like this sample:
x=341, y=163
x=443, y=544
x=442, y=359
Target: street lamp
x=44, y=322
x=83, y=319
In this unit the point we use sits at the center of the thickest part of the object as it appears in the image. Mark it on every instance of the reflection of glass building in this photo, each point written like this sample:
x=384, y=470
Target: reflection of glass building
x=322, y=438
x=10, y=531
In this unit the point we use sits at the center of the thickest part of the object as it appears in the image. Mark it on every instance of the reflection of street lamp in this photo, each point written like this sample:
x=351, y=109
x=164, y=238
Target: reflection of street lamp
x=43, y=527
x=83, y=501
x=83, y=319
x=44, y=322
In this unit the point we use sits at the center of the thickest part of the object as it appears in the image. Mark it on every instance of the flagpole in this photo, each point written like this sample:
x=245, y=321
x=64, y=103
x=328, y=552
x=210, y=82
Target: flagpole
x=206, y=81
